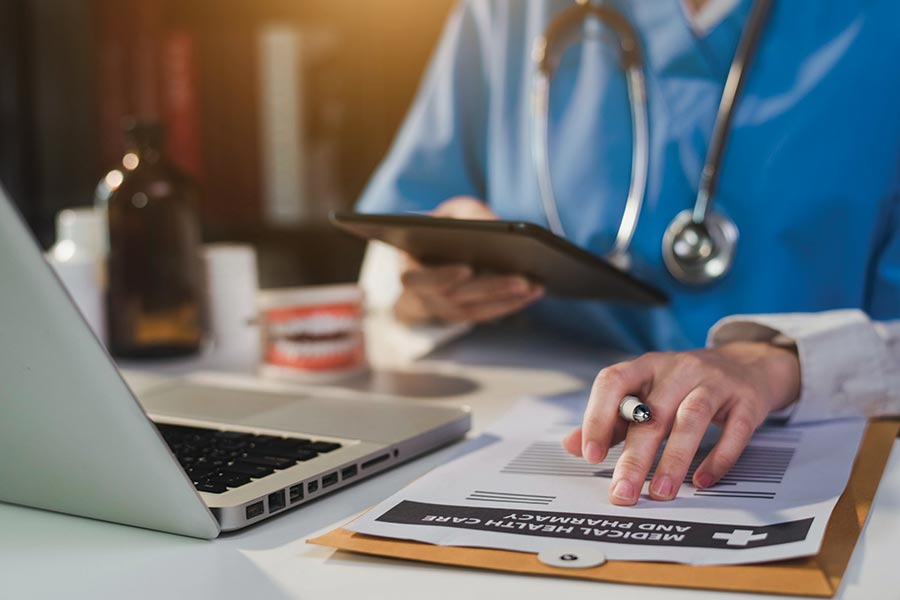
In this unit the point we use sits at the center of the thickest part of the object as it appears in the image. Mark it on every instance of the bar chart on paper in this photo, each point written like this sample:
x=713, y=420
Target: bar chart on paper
x=758, y=473
x=517, y=489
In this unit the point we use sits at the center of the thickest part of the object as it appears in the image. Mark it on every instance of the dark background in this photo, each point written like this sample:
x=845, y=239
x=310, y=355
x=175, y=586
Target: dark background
x=57, y=101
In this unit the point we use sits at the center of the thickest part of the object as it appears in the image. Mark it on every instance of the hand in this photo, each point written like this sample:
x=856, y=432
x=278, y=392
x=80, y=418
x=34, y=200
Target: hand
x=454, y=293
x=735, y=385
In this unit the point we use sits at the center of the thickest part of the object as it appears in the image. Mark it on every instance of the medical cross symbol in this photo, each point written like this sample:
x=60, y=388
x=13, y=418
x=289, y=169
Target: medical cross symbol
x=740, y=537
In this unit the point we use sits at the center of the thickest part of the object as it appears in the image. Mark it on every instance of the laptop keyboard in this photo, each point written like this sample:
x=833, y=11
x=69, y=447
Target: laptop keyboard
x=220, y=460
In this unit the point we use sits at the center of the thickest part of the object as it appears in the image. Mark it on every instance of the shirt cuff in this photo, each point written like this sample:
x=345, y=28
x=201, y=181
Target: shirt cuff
x=845, y=366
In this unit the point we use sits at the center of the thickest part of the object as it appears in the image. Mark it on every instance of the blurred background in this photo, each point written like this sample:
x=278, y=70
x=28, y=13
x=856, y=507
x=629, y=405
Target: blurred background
x=281, y=109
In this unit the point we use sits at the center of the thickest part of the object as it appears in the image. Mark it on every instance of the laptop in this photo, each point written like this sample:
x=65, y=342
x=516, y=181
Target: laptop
x=195, y=459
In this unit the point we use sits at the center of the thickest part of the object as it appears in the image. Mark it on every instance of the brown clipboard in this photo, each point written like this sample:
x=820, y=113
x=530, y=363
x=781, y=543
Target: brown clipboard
x=818, y=575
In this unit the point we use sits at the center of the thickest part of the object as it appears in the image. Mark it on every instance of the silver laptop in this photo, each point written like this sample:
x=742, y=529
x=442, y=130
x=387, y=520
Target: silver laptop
x=190, y=459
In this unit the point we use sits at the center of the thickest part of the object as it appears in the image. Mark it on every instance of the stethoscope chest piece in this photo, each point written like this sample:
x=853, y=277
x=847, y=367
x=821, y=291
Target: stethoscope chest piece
x=699, y=253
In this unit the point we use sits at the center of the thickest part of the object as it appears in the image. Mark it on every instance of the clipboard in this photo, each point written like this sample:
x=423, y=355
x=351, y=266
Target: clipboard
x=818, y=575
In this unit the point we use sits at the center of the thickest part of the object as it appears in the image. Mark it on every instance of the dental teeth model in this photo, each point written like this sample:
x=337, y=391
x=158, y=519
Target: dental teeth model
x=312, y=333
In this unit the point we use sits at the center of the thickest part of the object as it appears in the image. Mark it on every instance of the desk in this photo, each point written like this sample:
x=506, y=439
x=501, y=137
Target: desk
x=46, y=555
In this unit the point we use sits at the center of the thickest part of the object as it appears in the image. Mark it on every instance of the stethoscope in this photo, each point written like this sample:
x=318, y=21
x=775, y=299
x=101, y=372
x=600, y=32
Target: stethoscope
x=699, y=244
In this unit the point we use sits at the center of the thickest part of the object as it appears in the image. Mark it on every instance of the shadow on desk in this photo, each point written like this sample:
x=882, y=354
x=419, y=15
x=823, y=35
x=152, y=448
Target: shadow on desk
x=525, y=345
x=408, y=384
x=116, y=557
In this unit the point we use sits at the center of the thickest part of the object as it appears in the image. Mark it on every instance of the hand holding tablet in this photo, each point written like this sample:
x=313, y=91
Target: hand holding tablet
x=455, y=292
x=502, y=249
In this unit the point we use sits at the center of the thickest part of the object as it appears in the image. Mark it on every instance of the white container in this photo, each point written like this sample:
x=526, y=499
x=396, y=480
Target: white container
x=79, y=262
x=231, y=287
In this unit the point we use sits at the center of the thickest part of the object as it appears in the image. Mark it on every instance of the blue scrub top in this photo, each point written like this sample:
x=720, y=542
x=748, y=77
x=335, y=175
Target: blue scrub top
x=810, y=173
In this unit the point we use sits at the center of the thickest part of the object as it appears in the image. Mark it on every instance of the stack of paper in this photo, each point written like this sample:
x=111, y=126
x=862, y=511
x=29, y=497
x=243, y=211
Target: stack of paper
x=515, y=488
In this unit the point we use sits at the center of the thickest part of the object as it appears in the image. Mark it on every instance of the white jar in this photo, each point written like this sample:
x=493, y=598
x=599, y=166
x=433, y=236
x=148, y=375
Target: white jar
x=79, y=262
x=231, y=286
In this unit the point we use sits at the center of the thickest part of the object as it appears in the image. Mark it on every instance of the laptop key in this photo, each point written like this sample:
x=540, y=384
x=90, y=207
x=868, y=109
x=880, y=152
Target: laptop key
x=216, y=454
x=231, y=480
x=300, y=454
x=234, y=481
x=267, y=439
x=255, y=471
x=321, y=447
x=199, y=474
x=269, y=461
x=304, y=455
x=233, y=435
x=211, y=488
x=230, y=444
x=279, y=444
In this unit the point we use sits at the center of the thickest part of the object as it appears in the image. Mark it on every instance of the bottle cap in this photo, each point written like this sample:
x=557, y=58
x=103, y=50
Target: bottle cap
x=144, y=133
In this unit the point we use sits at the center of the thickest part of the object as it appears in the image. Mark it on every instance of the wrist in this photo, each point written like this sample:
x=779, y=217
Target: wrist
x=783, y=371
x=774, y=368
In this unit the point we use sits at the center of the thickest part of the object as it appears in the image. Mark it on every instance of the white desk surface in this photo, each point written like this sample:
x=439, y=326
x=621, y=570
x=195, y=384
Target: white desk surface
x=47, y=555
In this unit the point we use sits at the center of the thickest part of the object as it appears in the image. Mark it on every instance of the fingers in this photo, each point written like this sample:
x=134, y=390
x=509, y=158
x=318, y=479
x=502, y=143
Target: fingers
x=572, y=442
x=642, y=441
x=601, y=416
x=641, y=445
x=687, y=391
x=425, y=289
x=486, y=288
x=435, y=280
x=692, y=418
x=494, y=309
x=736, y=434
x=464, y=207
x=453, y=293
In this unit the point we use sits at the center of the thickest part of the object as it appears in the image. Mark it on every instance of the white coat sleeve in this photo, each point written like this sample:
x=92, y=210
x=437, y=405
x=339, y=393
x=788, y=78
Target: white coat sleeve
x=849, y=364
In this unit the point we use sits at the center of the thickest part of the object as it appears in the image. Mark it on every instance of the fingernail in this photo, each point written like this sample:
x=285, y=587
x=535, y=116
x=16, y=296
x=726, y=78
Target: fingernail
x=463, y=271
x=623, y=490
x=662, y=488
x=704, y=480
x=520, y=286
x=593, y=453
x=566, y=442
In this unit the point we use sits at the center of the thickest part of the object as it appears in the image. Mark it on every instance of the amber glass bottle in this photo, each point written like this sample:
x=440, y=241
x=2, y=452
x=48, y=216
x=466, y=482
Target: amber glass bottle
x=155, y=282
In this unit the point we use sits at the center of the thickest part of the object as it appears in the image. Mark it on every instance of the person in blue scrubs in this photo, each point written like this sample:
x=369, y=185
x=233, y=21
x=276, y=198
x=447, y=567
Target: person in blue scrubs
x=810, y=176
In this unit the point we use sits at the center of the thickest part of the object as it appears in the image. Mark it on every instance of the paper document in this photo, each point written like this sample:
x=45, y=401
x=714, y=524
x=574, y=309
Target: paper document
x=515, y=488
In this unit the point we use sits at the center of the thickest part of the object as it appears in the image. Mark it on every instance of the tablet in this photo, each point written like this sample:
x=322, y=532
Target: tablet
x=564, y=269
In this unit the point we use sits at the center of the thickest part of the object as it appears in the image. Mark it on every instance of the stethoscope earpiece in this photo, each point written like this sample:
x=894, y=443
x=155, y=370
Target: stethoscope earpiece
x=699, y=253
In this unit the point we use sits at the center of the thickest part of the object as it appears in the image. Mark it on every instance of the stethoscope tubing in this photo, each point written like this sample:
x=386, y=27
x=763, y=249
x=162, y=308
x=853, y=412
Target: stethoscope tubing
x=699, y=244
x=546, y=54
x=734, y=84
